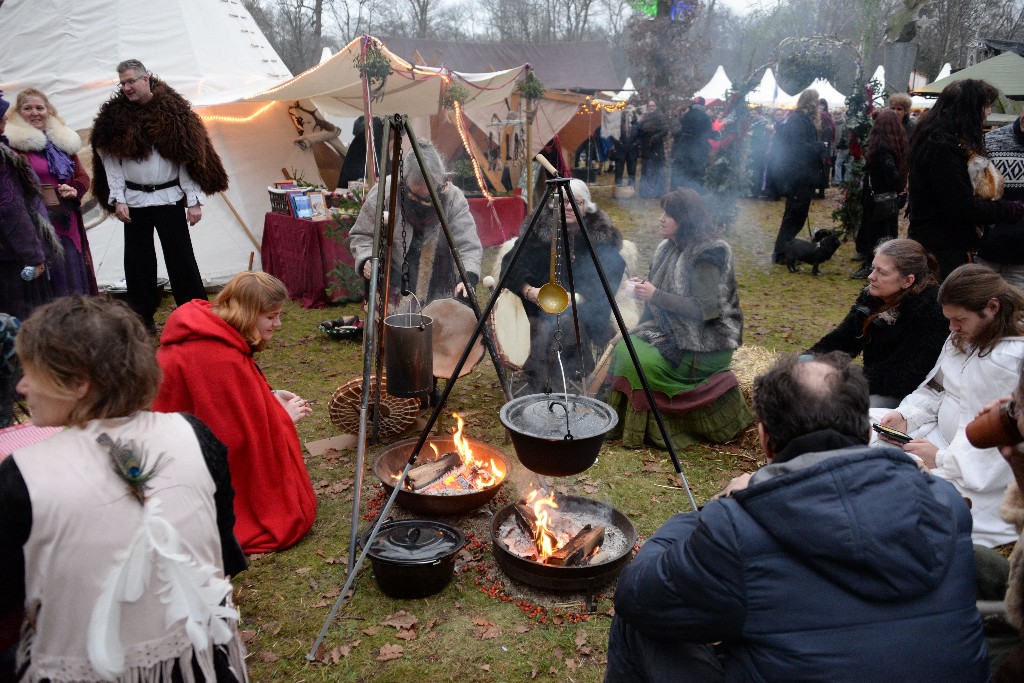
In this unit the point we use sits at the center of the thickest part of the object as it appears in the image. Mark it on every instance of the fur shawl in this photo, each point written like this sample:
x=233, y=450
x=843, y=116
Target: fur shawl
x=167, y=123
x=32, y=197
x=1012, y=510
x=672, y=270
x=24, y=138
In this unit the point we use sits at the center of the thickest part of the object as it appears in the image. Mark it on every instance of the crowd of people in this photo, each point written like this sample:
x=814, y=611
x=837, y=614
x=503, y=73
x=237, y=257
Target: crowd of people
x=119, y=536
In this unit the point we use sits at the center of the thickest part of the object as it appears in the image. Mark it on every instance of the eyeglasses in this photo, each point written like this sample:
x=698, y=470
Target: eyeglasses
x=130, y=81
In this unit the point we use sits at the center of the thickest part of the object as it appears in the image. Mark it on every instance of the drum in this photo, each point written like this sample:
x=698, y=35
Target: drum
x=454, y=323
x=511, y=329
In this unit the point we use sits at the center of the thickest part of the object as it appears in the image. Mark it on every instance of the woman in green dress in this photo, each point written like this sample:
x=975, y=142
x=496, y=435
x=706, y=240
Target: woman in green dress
x=686, y=337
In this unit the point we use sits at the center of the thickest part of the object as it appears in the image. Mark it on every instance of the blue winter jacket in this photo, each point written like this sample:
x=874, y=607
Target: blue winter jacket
x=844, y=565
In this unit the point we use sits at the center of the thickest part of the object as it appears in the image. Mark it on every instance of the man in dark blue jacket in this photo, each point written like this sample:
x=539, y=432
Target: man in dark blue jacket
x=835, y=562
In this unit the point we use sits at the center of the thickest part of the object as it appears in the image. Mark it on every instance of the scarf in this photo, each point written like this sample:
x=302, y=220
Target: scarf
x=60, y=163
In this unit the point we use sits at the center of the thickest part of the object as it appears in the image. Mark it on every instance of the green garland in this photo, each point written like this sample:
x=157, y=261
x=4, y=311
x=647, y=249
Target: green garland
x=373, y=65
x=859, y=106
x=452, y=94
x=530, y=88
x=343, y=277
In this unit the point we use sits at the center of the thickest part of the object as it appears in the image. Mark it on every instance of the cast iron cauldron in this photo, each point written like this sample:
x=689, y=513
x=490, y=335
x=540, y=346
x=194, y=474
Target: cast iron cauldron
x=414, y=558
x=539, y=423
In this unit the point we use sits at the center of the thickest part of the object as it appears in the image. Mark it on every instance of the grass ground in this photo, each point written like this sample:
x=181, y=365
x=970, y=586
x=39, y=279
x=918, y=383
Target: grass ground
x=485, y=627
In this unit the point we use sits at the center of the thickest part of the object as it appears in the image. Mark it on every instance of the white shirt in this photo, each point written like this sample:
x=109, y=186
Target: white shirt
x=939, y=410
x=153, y=170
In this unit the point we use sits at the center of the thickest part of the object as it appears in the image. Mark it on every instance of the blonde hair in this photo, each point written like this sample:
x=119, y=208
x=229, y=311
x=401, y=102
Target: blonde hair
x=36, y=92
x=76, y=340
x=245, y=298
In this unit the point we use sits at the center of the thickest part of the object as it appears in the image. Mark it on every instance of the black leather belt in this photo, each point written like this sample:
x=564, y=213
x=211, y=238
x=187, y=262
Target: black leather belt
x=150, y=188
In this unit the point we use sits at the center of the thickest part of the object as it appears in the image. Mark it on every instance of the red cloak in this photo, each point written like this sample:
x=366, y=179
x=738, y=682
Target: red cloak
x=209, y=371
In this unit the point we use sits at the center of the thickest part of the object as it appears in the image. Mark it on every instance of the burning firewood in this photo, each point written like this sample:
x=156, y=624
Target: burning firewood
x=576, y=550
x=424, y=475
x=525, y=518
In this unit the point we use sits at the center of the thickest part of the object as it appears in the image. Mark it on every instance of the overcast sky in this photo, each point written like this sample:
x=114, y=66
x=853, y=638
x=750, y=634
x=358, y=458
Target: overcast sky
x=741, y=7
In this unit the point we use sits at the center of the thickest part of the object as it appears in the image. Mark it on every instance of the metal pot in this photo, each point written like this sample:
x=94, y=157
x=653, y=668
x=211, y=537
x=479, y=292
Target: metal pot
x=407, y=354
x=392, y=460
x=414, y=558
x=553, y=439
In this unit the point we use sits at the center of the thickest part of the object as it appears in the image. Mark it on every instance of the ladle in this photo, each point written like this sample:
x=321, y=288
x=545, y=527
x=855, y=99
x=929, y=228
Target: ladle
x=552, y=297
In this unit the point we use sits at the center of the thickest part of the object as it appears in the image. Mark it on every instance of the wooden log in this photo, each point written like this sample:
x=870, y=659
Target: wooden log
x=576, y=550
x=526, y=519
x=426, y=474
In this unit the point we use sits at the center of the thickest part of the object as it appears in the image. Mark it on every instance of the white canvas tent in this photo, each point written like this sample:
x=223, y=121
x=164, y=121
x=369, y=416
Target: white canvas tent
x=831, y=95
x=336, y=87
x=627, y=91
x=769, y=94
x=213, y=54
x=716, y=88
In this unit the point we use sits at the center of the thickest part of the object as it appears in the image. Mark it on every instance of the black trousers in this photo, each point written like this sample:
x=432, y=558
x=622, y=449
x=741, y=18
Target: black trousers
x=798, y=203
x=625, y=163
x=140, y=258
x=636, y=658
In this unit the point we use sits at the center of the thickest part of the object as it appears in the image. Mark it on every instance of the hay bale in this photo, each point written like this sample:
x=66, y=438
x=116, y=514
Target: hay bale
x=748, y=362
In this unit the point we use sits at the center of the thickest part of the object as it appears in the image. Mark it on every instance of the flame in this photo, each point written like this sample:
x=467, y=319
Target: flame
x=544, y=538
x=489, y=473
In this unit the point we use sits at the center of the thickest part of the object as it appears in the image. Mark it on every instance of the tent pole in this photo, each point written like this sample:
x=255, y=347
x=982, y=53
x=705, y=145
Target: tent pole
x=252, y=237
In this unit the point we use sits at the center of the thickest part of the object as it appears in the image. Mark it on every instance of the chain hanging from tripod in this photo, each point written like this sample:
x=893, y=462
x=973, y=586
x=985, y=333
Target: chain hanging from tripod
x=401, y=209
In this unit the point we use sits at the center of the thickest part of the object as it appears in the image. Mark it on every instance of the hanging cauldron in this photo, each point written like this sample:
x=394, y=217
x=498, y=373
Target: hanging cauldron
x=557, y=435
x=407, y=354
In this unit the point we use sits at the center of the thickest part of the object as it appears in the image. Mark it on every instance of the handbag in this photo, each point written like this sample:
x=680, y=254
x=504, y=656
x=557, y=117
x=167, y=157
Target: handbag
x=884, y=205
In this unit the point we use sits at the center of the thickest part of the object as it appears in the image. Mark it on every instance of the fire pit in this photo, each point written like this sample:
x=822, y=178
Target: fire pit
x=582, y=559
x=444, y=480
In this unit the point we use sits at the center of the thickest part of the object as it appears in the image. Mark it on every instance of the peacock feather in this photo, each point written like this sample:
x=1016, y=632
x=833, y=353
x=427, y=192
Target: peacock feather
x=130, y=466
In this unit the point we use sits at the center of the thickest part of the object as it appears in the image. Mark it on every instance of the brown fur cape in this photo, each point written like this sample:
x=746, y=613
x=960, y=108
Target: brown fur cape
x=130, y=131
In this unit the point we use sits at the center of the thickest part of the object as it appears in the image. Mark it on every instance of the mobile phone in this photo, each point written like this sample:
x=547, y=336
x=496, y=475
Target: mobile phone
x=891, y=434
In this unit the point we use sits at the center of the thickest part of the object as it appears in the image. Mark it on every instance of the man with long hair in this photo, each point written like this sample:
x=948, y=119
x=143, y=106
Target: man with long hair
x=978, y=364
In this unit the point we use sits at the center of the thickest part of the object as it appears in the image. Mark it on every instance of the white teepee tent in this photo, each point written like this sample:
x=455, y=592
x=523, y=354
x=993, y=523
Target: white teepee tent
x=769, y=94
x=212, y=53
x=716, y=88
x=831, y=95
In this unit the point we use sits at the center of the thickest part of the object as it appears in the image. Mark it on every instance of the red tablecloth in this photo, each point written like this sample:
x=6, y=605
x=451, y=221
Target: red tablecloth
x=299, y=253
x=499, y=220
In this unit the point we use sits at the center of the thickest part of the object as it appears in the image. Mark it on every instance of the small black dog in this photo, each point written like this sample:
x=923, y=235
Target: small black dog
x=820, y=249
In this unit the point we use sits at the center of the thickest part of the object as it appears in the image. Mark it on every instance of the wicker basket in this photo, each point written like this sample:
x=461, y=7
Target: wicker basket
x=279, y=201
x=396, y=414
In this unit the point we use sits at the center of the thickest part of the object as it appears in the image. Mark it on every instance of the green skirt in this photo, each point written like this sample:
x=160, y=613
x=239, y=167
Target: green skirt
x=719, y=421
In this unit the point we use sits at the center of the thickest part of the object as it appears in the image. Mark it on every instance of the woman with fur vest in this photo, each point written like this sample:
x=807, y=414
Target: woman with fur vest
x=28, y=243
x=39, y=134
x=686, y=337
x=532, y=271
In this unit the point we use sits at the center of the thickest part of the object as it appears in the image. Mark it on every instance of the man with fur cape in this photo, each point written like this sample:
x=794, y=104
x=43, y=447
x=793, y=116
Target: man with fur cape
x=152, y=158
